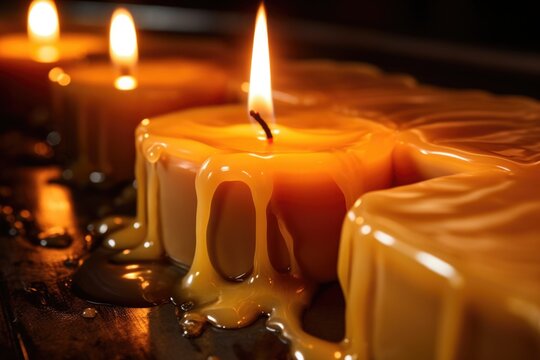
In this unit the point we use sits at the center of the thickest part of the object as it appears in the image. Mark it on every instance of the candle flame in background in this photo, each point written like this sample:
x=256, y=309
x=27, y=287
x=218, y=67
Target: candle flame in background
x=43, y=30
x=260, y=83
x=125, y=82
x=123, y=48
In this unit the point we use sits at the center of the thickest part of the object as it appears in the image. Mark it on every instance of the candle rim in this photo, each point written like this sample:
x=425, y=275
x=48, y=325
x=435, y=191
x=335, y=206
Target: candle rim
x=209, y=131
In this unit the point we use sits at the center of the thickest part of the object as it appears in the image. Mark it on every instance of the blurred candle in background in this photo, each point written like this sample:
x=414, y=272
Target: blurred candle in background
x=123, y=49
x=43, y=30
x=257, y=221
x=27, y=58
x=102, y=104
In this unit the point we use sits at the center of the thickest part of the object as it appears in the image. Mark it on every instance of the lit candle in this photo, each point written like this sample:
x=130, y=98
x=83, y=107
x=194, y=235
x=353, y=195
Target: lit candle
x=105, y=102
x=454, y=258
x=25, y=60
x=217, y=194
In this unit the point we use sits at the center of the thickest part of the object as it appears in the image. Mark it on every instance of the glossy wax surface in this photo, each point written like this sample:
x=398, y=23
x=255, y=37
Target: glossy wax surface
x=289, y=197
x=453, y=254
x=229, y=129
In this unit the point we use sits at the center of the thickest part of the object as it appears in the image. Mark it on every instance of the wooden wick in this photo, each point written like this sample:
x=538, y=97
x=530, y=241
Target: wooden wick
x=263, y=124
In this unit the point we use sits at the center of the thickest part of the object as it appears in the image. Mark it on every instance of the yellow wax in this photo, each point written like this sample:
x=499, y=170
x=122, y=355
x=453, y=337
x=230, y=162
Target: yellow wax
x=462, y=260
x=446, y=267
x=98, y=120
x=313, y=149
x=456, y=256
x=266, y=214
x=459, y=250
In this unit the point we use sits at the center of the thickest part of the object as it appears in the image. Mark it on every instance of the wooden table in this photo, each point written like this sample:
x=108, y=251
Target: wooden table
x=42, y=319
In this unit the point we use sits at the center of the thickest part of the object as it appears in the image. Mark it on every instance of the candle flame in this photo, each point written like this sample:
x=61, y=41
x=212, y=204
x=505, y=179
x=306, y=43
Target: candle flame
x=123, y=48
x=125, y=82
x=43, y=30
x=260, y=84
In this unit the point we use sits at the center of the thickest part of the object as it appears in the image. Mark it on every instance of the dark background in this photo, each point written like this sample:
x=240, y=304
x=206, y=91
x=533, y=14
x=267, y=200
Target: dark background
x=491, y=45
x=505, y=25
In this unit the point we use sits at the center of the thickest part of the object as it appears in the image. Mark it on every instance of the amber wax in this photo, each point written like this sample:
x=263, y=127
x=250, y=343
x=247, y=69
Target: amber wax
x=104, y=115
x=27, y=58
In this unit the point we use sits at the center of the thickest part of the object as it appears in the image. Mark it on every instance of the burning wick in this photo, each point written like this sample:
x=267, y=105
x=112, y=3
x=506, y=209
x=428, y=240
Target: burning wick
x=263, y=124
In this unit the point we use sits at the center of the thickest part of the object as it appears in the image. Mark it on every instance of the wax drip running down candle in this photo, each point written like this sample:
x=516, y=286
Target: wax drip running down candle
x=424, y=135
x=261, y=229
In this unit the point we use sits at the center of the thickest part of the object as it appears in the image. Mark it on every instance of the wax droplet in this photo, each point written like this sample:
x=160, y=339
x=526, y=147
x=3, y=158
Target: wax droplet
x=108, y=225
x=192, y=324
x=36, y=293
x=188, y=305
x=153, y=153
x=89, y=313
x=65, y=283
x=55, y=237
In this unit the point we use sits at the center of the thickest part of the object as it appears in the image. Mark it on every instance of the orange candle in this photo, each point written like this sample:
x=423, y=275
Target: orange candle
x=262, y=203
x=257, y=214
x=103, y=102
x=26, y=59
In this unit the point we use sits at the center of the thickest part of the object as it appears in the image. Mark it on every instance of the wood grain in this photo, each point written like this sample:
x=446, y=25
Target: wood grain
x=42, y=319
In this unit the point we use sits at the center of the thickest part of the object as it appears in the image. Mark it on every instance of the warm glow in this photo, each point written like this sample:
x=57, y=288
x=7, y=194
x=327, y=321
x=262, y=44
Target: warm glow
x=43, y=30
x=58, y=75
x=260, y=84
x=125, y=82
x=43, y=26
x=123, y=46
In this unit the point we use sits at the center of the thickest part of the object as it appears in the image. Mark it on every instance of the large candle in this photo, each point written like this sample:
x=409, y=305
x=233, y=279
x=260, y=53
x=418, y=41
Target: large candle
x=309, y=169
x=101, y=104
x=216, y=193
x=444, y=268
x=460, y=254
x=26, y=59
x=456, y=255
x=178, y=148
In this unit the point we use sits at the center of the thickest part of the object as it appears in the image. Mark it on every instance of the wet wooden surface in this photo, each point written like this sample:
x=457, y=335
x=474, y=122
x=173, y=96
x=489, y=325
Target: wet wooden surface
x=41, y=318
